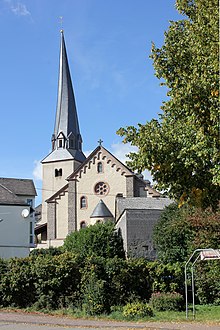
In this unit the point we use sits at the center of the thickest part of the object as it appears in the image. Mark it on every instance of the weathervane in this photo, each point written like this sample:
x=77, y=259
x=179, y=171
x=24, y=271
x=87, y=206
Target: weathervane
x=100, y=142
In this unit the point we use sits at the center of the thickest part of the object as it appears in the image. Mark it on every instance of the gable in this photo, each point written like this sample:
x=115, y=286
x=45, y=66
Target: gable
x=100, y=154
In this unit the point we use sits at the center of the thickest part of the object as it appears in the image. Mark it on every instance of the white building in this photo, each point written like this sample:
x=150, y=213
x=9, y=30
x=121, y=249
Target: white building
x=17, y=199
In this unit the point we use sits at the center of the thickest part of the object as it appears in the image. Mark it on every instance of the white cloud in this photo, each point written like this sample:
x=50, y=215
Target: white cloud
x=37, y=172
x=120, y=150
x=18, y=8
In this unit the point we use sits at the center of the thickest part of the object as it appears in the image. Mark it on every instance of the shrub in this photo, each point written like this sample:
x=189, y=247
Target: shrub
x=207, y=282
x=101, y=239
x=3, y=271
x=52, y=251
x=17, y=283
x=137, y=310
x=167, y=277
x=57, y=280
x=167, y=301
x=93, y=287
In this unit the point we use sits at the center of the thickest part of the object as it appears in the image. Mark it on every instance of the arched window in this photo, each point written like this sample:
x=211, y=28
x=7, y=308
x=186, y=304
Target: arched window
x=82, y=224
x=100, y=167
x=83, y=202
x=58, y=172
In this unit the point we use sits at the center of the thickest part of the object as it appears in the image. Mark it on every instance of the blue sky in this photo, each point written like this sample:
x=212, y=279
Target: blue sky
x=108, y=45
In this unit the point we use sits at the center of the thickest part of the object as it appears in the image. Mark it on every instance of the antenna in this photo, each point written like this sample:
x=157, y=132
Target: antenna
x=25, y=213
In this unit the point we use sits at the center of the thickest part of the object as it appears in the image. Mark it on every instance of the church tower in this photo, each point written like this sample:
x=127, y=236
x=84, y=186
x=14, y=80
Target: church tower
x=66, y=154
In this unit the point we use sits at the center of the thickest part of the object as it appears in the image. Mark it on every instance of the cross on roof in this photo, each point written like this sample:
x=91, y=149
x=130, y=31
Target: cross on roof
x=100, y=142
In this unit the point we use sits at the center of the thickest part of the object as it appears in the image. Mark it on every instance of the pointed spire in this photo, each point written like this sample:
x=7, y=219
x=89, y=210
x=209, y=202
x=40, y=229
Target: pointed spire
x=66, y=115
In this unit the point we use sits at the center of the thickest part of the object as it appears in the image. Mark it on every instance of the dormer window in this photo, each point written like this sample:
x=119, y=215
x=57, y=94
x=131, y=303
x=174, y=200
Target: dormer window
x=100, y=167
x=60, y=143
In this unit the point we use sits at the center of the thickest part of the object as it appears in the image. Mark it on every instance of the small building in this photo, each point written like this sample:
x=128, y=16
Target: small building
x=17, y=219
x=136, y=218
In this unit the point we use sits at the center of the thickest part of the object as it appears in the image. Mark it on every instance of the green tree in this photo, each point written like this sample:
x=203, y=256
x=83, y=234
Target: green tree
x=180, y=231
x=181, y=148
x=100, y=239
x=172, y=235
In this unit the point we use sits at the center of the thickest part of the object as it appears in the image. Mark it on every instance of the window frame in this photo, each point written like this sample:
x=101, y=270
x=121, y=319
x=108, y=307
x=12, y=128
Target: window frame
x=83, y=202
x=105, y=193
x=100, y=167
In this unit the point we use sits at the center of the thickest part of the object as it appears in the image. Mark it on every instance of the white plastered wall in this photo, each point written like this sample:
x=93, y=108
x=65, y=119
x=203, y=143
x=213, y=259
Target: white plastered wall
x=52, y=184
x=14, y=231
x=86, y=185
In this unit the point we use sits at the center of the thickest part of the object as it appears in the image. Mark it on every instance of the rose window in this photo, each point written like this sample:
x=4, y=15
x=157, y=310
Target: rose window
x=101, y=188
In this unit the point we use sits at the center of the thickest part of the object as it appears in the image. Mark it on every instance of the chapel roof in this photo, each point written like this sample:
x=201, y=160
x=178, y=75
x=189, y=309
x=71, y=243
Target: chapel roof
x=66, y=128
x=66, y=114
x=64, y=154
x=101, y=211
x=100, y=149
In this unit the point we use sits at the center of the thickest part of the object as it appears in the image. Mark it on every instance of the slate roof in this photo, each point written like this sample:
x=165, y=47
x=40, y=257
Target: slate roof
x=64, y=154
x=142, y=203
x=101, y=211
x=19, y=187
x=66, y=122
x=66, y=115
x=7, y=197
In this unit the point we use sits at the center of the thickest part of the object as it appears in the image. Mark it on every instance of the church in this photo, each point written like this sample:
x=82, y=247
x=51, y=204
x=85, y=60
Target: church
x=79, y=191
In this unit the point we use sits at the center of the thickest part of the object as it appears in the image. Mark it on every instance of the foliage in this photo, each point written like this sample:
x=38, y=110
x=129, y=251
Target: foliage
x=180, y=231
x=167, y=277
x=3, y=270
x=57, y=280
x=95, y=285
x=99, y=239
x=206, y=228
x=52, y=251
x=17, y=283
x=137, y=310
x=181, y=148
x=127, y=280
x=171, y=301
x=172, y=235
x=93, y=290
x=207, y=282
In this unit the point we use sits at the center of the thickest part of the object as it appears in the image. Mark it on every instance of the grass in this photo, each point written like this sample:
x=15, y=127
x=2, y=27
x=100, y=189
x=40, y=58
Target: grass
x=204, y=314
